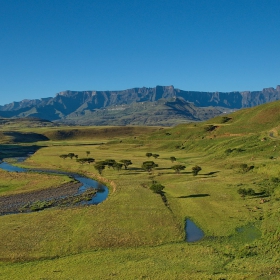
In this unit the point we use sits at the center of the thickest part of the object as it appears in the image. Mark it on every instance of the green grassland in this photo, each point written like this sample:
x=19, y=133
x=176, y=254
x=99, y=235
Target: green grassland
x=14, y=183
x=133, y=234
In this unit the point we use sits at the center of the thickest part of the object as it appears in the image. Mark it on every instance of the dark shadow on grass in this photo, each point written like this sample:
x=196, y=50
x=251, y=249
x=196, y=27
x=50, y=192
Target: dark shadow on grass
x=7, y=151
x=133, y=169
x=259, y=195
x=28, y=137
x=163, y=168
x=210, y=173
x=194, y=195
x=131, y=173
x=207, y=177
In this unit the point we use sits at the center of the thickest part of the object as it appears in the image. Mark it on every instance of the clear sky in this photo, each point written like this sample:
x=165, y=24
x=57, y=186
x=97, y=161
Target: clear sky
x=48, y=46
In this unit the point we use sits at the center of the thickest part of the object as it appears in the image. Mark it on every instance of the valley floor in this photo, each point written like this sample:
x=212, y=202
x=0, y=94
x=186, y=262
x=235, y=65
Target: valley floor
x=133, y=234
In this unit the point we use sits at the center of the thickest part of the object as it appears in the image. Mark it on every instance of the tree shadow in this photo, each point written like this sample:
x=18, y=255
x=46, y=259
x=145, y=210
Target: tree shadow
x=126, y=174
x=194, y=195
x=259, y=195
x=211, y=173
x=163, y=168
x=133, y=169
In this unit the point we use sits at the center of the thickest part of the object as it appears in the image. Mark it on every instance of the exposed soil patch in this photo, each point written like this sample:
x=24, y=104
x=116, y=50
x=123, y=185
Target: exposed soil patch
x=12, y=203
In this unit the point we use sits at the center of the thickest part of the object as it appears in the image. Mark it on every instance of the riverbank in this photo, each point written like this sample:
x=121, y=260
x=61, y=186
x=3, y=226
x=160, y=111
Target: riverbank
x=12, y=203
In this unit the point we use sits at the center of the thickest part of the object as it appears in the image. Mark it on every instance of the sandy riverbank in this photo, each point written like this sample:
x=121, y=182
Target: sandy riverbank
x=12, y=203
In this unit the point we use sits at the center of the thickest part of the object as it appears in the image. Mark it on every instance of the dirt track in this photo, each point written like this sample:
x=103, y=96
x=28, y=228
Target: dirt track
x=11, y=203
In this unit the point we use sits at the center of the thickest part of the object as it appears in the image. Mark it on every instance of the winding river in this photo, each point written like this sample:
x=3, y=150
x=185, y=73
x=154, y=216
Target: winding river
x=193, y=233
x=86, y=183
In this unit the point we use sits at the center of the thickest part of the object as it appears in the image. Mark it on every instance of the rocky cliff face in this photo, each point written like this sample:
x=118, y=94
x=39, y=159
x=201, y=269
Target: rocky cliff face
x=79, y=102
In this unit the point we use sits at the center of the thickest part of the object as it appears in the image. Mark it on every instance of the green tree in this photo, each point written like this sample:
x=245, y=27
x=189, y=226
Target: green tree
x=84, y=160
x=81, y=160
x=225, y=119
x=109, y=162
x=157, y=187
x=87, y=152
x=99, y=166
x=178, y=167
x=117, y=166
x=195, y=170
x=155, y=156
x=149, y=165
x=126, y=162
x=63, y=156
x=173, y=159
x=149, y=155
x=71, y=155
x=90, y=160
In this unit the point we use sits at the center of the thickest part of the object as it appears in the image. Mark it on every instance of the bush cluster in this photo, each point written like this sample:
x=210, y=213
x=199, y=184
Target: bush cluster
x=244, y=191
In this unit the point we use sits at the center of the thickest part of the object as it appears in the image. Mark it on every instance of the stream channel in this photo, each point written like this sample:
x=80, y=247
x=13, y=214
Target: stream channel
x=193, y=233
x=85, y=183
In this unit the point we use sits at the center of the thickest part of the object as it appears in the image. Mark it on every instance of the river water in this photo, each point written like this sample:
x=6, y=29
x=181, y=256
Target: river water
x=102, y=190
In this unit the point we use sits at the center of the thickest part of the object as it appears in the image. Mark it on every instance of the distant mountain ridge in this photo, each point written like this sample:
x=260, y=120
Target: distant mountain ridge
x=103, y=107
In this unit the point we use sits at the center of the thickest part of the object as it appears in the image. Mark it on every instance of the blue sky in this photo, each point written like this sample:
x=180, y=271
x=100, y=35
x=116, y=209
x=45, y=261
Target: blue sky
x=47, y=46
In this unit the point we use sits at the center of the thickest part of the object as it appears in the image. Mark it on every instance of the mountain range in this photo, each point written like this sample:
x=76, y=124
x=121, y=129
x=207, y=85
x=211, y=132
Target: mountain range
x=161, y=105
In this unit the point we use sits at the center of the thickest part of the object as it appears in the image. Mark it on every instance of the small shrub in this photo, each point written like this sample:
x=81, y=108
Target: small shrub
x=243, y=166
x=225, y=119
x=275, y=180
x=246, y=168
x=209, y=127
x=250, y=191
x=243, y=191
x=228, y=151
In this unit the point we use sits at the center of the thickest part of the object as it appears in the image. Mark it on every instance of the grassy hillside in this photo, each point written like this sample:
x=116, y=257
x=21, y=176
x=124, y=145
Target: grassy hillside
x=134, y=234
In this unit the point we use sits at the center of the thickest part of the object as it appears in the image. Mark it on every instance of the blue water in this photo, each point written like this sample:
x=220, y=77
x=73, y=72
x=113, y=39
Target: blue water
x=193, y=232
x=8, y=167
x=102, y=191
